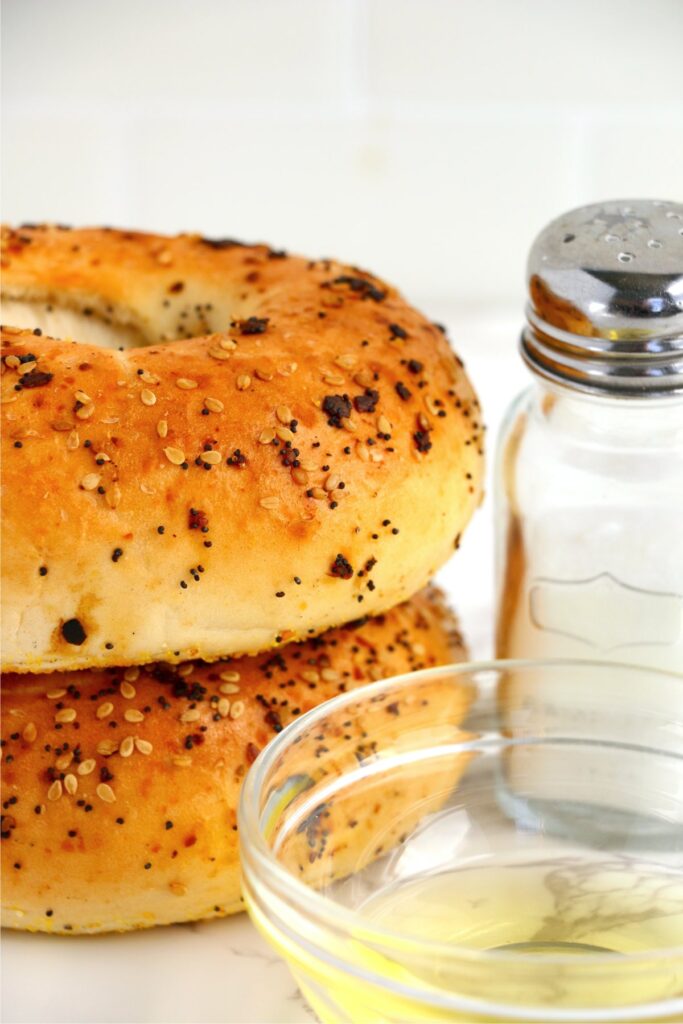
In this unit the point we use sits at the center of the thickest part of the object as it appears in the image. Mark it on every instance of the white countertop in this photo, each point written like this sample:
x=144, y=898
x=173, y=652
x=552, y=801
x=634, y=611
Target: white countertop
x=222, y=971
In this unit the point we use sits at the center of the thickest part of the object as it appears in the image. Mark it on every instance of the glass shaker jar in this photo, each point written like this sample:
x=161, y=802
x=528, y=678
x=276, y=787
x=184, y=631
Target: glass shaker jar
x=590, y=460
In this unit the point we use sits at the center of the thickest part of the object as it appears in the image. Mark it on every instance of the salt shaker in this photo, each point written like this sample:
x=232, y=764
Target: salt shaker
x=590, y=459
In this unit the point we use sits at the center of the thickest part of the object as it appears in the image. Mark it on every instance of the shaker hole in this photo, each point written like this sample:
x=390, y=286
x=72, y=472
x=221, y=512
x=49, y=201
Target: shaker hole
x=611, y=238
x=625, y=257
x=569, y=238
x=654, y=243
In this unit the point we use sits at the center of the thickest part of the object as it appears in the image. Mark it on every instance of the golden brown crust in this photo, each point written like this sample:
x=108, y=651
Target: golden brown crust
x=105, y=563
x=120, y=787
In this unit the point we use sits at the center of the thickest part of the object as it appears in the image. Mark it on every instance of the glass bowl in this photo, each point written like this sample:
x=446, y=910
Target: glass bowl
x=491, y=842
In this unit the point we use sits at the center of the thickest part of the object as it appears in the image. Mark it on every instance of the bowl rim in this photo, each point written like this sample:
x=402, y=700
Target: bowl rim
x=336, y=916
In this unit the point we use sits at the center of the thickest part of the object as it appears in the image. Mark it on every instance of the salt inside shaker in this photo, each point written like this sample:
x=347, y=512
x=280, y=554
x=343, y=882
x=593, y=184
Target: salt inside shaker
x=590, y=459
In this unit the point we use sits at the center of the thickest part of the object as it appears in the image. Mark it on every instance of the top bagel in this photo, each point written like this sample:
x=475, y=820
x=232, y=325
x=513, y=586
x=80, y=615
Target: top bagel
x=284, y=445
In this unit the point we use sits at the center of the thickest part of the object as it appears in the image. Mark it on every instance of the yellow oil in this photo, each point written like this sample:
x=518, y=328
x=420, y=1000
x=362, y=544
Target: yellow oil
x=606, y=910
x=564, y=906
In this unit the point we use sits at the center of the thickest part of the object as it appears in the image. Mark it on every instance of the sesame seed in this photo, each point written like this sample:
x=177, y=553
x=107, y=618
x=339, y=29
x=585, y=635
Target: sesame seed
x=243, y=382
x=300, y=476
x=148, y=397
x=318, y=493
x=383, y=425
x=332, y=482
x=424, y=422
x=310, y=676
x=284, y=414
x=148, y=378
x=362, y=452
x=55, y=790
x=63, y=762
x=127, y=690
x=182, y=761
x=87, y=767
x=266, y=436
x=131, y=675
x=162, y=428
x=211, y=458
x=102, y=457
x=90, y=481
x=72, y=441
x=177, y=888
x=104, y=710
x=346, y=361
x=30, y=732
x=284, y=433
x=85, y=411
x=214, y=404
x=106, y=793
x=229, y=677
x=223, y=707
x=127, y=746
x=330, y=675
x=185, y=384
x=185, y=670
x=349, y=424
x=219, y=353
x=364, y=378
x=191, y=715
x=113, y=496
x=70, y=783
x=237, y=709
x=270, y=502
x=81, y=396
x=12, y=361
x=107, y=747
x=174, y=455
x=132, y=715
x=262, y=374
x=227, y=688
x=65, y=715
x=143, y=746
x=333, y=378
x=228, y=344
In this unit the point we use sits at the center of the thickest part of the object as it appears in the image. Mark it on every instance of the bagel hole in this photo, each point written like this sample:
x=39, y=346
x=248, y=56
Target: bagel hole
x=89, y=327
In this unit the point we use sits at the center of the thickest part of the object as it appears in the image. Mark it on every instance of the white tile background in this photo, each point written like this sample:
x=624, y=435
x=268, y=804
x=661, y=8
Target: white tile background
x=427, y=139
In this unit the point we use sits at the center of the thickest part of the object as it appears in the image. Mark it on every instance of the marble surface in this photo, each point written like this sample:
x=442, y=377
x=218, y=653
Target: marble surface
x=222, y=972
x=218, y=972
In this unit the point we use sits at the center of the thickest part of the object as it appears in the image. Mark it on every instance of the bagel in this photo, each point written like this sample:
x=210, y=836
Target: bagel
x=121, y=787
x=286, y=445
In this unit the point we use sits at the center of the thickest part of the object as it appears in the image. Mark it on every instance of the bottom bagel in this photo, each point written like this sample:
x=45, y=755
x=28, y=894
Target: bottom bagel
x=121, y=786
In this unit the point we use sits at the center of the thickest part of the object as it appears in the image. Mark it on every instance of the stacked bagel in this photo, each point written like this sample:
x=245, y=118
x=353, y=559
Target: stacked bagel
x=228, y=476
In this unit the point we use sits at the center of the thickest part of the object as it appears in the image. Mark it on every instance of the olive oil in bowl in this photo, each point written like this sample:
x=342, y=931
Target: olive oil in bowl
x=522, y=861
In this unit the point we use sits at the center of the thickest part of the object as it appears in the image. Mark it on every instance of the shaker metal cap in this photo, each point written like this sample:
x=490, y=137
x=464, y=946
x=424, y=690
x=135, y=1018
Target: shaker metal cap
x=605, y=310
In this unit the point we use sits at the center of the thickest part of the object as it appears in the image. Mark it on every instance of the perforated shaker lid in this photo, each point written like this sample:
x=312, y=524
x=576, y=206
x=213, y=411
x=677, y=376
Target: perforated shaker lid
x=605, y=310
